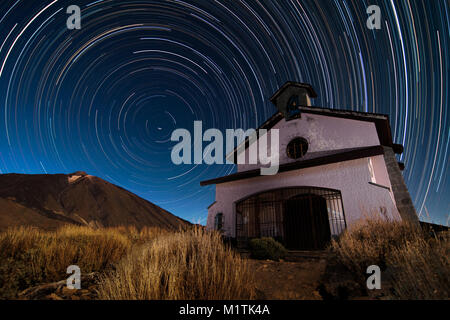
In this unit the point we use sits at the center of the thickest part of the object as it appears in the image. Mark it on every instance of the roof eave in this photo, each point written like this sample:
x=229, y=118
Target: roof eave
x=339, y=157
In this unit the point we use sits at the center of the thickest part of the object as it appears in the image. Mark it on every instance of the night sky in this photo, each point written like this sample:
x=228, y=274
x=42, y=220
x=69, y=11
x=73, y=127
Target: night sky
x=105, y=99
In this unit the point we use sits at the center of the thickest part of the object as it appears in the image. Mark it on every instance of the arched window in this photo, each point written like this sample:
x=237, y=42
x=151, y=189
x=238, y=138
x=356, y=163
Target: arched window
x=297, y=148
x=218, y=223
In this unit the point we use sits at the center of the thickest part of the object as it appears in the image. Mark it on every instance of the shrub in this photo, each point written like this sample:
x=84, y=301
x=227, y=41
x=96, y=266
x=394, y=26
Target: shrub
x=267, y=248
x=418, y=265
x=192, y=264
x=421, y=269
x=369, y=242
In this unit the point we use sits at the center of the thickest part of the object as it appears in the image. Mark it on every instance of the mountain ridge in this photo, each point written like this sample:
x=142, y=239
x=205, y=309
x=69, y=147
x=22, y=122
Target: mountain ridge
x=49, y=201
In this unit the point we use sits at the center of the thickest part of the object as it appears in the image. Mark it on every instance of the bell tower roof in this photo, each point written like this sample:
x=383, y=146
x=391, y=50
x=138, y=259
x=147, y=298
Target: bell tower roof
x=303, y=87
x=291, y=96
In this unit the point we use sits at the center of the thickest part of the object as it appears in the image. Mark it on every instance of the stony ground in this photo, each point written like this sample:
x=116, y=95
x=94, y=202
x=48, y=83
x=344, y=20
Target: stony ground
x=286, y=280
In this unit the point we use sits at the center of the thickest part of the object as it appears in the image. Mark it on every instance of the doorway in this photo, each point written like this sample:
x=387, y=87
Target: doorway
x=306, y=222
x=301, y=218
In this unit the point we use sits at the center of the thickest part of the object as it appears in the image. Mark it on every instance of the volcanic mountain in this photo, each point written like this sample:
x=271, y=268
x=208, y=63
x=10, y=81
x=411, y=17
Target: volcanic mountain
x=50, y=200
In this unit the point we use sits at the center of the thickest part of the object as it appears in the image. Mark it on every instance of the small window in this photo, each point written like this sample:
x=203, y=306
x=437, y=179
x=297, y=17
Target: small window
x=297, y=148
x=372, y=172
x=218, y=223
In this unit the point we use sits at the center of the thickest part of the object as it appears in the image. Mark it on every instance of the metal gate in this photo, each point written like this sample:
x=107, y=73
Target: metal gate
x=298, y=217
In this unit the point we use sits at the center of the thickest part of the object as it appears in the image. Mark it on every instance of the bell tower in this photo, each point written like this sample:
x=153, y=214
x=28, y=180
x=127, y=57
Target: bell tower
x=291, y=96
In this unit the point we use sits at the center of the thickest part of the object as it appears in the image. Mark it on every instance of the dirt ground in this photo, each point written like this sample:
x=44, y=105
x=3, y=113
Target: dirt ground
x=283, y=280
x=287, y=280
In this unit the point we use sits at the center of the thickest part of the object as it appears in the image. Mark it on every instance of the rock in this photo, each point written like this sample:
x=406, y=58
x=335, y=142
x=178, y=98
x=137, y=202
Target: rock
x=53, y=296
x=45, y=291
x=79, y=173
x=68, y=292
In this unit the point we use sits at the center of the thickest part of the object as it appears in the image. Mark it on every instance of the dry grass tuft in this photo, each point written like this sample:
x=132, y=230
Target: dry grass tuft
x=418, y=264
x=192, y=264
x=150, y=263
x=54, y=251
x=30, y=256
x=142, y=235
x=421, y=269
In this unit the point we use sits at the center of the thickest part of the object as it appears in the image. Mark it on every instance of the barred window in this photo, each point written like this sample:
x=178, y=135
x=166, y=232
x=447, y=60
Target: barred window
x=218, y=223
x=297, y=148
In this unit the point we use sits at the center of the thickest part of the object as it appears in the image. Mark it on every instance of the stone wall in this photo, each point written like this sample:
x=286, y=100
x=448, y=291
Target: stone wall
x=402, y=197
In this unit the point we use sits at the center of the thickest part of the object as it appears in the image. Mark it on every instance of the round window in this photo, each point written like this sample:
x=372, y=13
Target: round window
x=297, y=148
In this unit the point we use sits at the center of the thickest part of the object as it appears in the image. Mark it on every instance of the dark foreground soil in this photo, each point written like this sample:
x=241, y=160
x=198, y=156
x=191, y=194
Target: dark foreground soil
x=285, y=280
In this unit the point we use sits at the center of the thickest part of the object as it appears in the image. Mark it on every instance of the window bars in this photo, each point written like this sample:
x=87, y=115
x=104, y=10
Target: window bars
x=281, y=213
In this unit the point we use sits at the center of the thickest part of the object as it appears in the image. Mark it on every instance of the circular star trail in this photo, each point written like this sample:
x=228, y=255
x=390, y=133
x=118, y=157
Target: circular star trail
x=105, y=99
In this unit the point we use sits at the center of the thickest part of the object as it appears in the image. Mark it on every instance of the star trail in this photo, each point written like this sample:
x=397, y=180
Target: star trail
x=105, y=99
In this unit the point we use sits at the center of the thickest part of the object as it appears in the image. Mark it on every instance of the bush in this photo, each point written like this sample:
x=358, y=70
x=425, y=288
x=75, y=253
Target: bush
x=418, y=265
x=186, y=265
x=369, y=243
x=421, y=270
x=267, y=248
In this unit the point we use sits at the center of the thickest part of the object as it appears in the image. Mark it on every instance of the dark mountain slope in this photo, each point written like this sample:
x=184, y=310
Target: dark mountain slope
x=48, y=201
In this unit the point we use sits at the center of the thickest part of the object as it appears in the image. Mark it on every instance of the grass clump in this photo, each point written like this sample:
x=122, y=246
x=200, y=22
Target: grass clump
x=416, y=265
x=267, y=248
x=191, y=264
x=30, y=256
